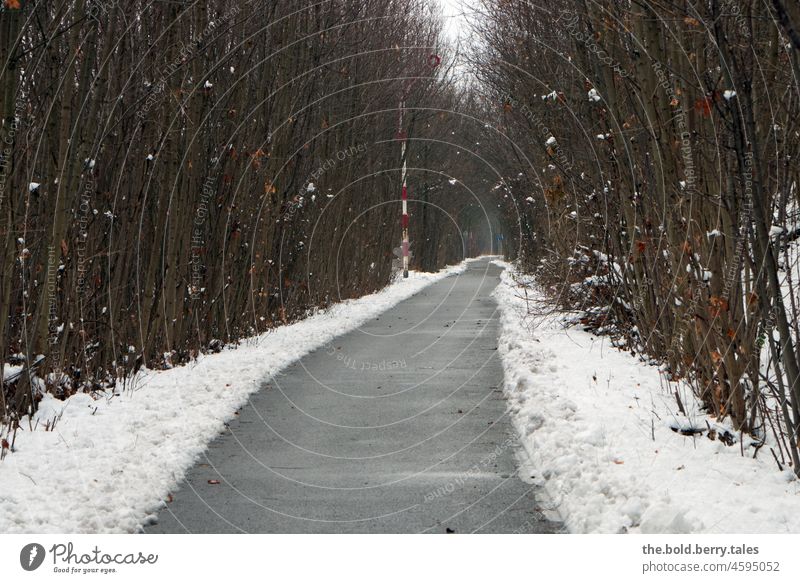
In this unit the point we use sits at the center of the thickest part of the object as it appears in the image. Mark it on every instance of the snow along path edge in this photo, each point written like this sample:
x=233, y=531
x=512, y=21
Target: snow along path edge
x=110, y=463
x=596, y=424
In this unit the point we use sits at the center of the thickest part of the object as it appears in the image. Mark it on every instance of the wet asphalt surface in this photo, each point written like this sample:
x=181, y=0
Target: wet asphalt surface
x=399, y=426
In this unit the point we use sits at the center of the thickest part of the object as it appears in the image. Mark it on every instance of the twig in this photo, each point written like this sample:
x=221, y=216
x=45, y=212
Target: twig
x=680, y=404
x=780, y=467
x=31, y=479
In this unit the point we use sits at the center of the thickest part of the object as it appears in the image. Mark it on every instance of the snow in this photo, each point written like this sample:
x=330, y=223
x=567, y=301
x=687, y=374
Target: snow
x=108, y=464
x=11, y=370
x=597, y=426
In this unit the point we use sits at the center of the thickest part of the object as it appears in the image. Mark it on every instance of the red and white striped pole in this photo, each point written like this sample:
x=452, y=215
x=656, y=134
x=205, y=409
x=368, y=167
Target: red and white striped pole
x=404, y=193
x=433, y=61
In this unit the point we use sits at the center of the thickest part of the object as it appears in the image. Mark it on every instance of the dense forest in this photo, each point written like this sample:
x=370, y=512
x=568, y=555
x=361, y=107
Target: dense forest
x=657, y=146
x=177, y=176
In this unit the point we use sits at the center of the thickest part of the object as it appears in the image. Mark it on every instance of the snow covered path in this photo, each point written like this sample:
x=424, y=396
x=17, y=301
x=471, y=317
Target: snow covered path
x=107, y=464
x=399, y=426
x=387, y=414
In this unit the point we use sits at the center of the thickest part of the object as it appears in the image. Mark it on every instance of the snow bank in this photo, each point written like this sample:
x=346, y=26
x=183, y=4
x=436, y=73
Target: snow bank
x=598, y=426
x=108, y=464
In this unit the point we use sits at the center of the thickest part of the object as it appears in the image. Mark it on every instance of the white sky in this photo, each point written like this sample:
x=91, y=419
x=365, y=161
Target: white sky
x=454, y=19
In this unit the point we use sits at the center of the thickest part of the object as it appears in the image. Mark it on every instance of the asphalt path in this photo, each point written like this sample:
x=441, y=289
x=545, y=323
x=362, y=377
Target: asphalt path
x=399, y=426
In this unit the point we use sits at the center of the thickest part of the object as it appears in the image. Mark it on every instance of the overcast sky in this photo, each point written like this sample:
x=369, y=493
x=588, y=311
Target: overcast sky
x=454, y=19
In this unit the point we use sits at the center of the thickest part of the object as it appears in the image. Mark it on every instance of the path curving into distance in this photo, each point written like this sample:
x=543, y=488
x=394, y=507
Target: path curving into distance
x=399, y=426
